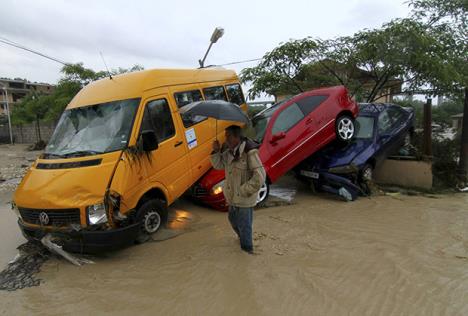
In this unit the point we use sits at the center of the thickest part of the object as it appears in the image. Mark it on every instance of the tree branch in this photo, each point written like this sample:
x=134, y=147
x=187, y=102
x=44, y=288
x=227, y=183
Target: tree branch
x=332, y=72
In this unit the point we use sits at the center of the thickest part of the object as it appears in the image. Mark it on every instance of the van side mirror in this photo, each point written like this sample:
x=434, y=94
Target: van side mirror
x=277, y=137
x=149, y=140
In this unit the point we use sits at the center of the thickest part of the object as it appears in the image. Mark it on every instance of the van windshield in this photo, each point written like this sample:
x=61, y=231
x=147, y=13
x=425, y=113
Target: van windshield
x=92, y=130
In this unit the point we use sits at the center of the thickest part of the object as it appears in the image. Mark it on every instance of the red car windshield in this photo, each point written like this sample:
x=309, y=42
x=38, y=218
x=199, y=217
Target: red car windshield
x=260, y=121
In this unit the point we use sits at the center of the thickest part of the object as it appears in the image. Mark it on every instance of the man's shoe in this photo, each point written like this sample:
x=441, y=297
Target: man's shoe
x=248, y=250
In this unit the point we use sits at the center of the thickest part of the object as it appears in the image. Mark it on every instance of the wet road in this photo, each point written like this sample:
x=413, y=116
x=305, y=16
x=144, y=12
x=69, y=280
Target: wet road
x=389, y=255
x=10, y=236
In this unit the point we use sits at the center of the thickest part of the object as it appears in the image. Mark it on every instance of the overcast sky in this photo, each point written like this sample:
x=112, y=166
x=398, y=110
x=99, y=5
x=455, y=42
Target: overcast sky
x=171, y=33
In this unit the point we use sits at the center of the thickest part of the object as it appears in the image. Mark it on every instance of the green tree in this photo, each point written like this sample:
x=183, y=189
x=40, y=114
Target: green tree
x=451, y=18
x=279, y=69
x=407, y=50
x=404, y=51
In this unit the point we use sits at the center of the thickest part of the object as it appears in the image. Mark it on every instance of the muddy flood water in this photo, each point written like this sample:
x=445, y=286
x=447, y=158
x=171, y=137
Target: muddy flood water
x=385, y=255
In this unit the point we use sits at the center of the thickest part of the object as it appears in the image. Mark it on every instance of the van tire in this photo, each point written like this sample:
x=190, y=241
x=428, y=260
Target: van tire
x=151, y=215
x=345, y=128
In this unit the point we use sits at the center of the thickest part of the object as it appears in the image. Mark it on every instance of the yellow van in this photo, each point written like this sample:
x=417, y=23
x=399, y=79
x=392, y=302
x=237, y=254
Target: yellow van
x=120, y=155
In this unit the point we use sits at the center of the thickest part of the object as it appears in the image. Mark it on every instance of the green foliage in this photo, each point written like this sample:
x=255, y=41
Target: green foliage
x=418, y=107
x=442, y=114
x=62, y=95
x=254, y=110
x=19, y=115
x=279, y=68
x=78, y=73
x=445, y=153
x=449, y=18
x=427, y=53
x=407, y=50
x=435, y=11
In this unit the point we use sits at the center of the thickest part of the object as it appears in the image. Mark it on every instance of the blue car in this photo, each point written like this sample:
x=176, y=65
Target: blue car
x=347, y=169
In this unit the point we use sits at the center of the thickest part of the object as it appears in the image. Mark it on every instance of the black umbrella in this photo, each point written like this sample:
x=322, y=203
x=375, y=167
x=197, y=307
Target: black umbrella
x=217, y=109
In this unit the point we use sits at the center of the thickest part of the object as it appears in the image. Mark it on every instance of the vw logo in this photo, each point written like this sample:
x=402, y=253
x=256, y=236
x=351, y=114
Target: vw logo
x=43, y=218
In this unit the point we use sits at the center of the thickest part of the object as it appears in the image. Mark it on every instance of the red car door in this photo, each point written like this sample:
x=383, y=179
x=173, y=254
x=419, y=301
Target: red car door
x=320, y=111
x=284, y=134
x=294, y=134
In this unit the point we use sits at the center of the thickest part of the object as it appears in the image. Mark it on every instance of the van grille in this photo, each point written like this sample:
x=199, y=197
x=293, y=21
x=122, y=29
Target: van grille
x=69, y=165
x=58, y=217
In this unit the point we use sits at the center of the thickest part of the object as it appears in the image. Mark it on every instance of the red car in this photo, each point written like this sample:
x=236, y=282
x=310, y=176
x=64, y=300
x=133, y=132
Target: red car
x=289, y=132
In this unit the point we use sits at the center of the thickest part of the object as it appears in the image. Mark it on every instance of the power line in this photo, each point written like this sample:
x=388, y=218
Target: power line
x=11, y=43
x=240, y=62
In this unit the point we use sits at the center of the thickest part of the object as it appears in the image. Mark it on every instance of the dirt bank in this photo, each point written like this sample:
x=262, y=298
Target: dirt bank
x=389, y=255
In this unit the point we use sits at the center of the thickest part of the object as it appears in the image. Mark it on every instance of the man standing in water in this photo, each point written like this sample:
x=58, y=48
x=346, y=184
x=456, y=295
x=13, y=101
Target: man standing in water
x=244, y=178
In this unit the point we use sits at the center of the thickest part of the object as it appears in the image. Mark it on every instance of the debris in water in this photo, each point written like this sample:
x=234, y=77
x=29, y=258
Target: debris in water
x=15, y=259
x=278, y=218
x=463, y=189
x=284, y=193
x=54, y=248
x=20, y=272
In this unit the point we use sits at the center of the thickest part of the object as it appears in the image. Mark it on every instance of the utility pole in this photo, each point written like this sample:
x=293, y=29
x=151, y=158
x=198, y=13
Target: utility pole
x=428, y=129
x=217, y=34
x=463, y=162
x=8, y=114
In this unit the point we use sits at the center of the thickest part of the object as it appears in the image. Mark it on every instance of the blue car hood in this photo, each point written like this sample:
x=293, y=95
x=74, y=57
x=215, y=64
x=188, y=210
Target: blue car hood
x=340, y=156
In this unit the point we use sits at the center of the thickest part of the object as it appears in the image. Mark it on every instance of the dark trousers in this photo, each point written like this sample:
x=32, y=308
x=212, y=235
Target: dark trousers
x=241, y=219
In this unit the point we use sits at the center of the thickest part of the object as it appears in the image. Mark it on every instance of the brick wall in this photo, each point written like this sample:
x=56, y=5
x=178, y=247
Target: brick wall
x=27, y=134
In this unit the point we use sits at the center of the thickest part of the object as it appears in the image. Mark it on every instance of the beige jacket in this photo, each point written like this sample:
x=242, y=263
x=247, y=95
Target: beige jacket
x=244, y=174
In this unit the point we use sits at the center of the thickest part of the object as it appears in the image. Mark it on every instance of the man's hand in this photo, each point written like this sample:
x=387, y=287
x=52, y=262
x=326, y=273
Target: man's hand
x=216, y=146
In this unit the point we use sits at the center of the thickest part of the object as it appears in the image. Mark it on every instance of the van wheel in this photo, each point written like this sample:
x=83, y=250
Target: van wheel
x=151, y=215
x=345, y=128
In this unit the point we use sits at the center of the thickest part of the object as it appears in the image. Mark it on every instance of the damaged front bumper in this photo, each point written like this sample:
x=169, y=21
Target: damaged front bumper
x=85, y=241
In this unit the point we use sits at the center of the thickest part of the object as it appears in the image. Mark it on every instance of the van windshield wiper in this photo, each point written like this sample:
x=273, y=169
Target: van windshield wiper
x=81, y=153
x=50, y=155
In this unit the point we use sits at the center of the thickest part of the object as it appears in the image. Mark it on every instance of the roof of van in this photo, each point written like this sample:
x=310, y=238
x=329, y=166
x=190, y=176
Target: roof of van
x=133, y=84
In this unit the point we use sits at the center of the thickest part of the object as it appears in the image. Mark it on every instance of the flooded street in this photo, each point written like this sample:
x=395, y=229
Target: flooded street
x=386, y=255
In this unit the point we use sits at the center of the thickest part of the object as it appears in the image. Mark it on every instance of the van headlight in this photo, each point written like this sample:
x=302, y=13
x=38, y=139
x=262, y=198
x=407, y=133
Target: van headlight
x=217, y=188
x=97, y=214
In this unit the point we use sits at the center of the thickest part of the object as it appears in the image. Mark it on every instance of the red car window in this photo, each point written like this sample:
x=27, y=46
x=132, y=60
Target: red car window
x=287, y=119
x=308, y=104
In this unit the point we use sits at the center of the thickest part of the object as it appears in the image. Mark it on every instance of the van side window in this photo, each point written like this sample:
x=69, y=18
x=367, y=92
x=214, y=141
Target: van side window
x=215, y=93
x=309, y=104
x=234, y=92
x=158, y=118
x=184, y=98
